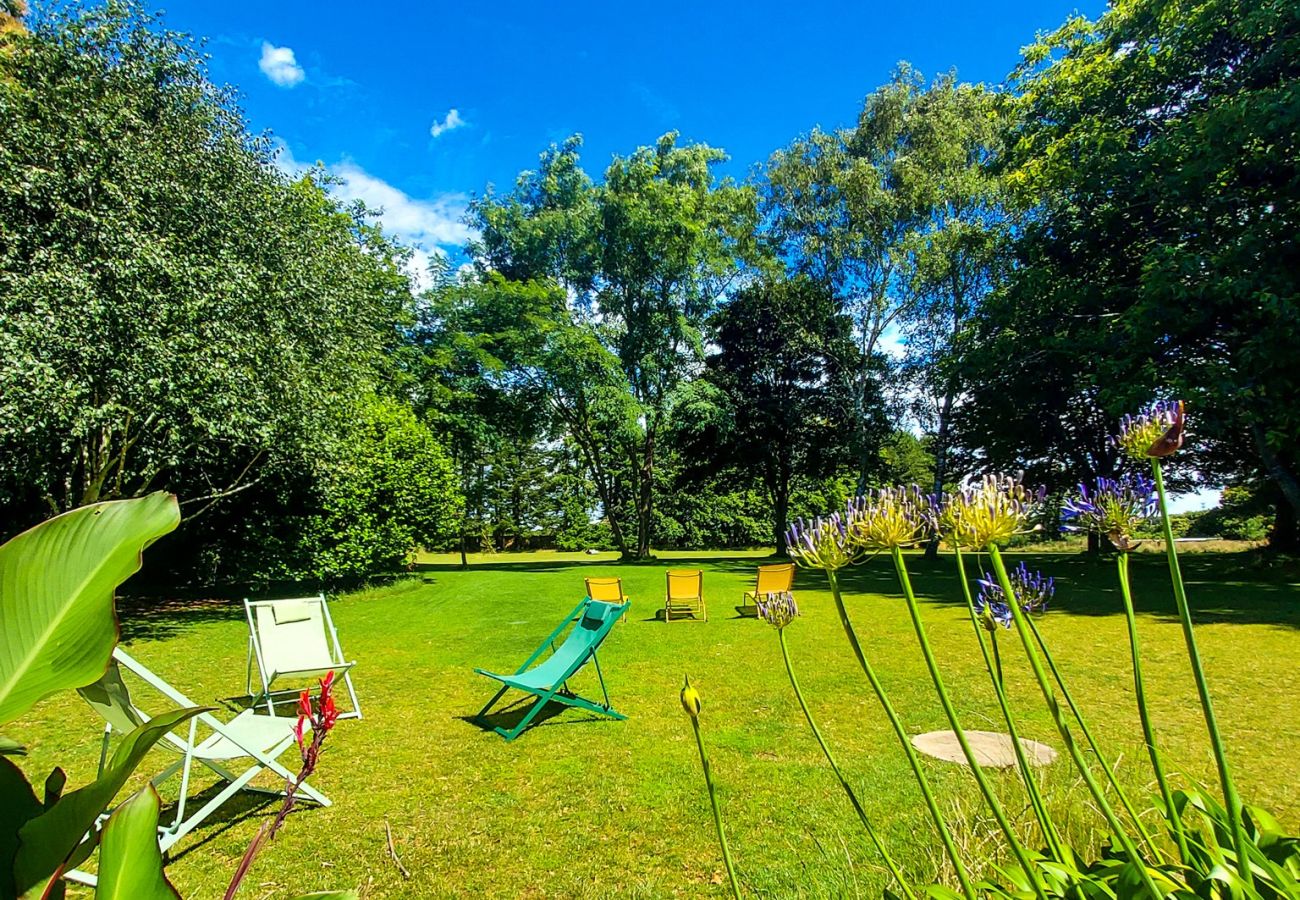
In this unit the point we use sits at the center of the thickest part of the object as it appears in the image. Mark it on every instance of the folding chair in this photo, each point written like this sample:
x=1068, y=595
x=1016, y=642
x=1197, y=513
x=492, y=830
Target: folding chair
x=607, y=590
x=257, y=739
x=294, y=640
x=548, y=680
x=685, y=595
x=771, y=579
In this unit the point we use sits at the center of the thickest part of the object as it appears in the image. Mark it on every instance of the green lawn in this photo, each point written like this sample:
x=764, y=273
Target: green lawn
x=581, y=807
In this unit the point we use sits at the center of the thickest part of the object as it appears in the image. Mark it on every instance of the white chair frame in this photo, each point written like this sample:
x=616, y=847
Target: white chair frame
x=256, y=653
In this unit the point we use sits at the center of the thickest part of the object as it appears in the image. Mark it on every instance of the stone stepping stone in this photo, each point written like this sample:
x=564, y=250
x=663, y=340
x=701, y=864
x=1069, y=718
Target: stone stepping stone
x=991, y=748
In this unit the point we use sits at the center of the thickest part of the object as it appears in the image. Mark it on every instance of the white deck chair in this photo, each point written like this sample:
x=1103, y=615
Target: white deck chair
x=257, y=740
x=294, y=640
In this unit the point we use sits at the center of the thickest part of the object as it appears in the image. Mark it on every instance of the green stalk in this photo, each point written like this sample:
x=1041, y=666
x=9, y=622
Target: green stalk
x=994, y=666
x=830, y=758
x=949, y=846
x=1087, y=736
x=1148, y=731
x=1231, y=798
x=1017, y=849
x=717, y=813
x=1019, y=617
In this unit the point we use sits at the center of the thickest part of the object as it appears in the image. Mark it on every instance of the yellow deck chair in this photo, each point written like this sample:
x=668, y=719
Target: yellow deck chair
x=773, y=579
x=685, y=595
x=608, y=590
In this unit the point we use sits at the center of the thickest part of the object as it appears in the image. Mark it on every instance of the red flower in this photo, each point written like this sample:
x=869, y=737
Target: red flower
x=298, y=729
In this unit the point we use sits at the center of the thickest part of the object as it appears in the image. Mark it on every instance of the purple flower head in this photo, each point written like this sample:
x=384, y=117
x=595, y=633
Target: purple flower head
x=1115, y=507
x=778, y=609
x=1158, y=431
x=1033, y=591
x=822, y=543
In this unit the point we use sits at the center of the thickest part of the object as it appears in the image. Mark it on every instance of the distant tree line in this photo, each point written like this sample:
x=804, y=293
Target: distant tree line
x=967, y=279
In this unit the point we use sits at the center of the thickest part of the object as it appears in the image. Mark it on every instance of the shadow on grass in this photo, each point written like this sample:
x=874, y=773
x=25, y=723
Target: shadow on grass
x=507, y=717
x=1221, y=587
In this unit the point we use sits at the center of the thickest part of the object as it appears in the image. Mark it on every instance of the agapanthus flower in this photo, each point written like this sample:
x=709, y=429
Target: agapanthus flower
x=1156, y=432
x=778, y=608
x=691, y=701
x=991, y=510
x=889, y=518
x=1115, y=507
x=823, y=543
x=1032, y=590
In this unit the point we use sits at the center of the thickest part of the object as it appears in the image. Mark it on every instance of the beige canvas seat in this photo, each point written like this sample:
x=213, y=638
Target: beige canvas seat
x=294, y=640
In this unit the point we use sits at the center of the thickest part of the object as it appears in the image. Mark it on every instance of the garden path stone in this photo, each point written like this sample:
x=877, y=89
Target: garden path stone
x=991, y=748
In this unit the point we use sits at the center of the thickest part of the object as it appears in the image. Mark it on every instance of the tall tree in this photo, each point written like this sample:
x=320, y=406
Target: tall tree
x=645, y=256
x=1157, y=163
x=956, y=247
x=174, y=311
x=836, y=208
x=781, y=349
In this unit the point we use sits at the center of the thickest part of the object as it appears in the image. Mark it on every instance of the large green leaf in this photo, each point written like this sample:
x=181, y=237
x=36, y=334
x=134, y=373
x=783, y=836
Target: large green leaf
x=48, y=839
x=18, y=804
x=56, y=595
x=130, y=863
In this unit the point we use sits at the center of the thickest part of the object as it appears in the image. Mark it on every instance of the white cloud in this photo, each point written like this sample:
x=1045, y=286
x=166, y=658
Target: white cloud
x=280, y=65
x=450, y=122
x=428, y=226
x=433, y=221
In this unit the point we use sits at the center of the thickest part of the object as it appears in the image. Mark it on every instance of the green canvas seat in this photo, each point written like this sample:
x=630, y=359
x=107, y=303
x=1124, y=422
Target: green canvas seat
x=548, y=680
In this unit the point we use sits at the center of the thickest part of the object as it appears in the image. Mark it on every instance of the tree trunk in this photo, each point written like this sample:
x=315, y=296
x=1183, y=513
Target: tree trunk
x=780, y=516
x=1094, y=544
x=941, y=457
x=645, y=497
x=1283, y=539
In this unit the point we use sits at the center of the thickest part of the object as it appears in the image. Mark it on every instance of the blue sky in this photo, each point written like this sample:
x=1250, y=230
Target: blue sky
x=420, y=105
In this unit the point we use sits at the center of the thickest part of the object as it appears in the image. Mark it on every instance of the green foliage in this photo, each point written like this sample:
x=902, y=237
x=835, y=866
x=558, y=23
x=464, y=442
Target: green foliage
x=390, y=491
x=56, y=600
x=1243, y=514
x=56, y=595
x=646, y=255
x=786, y=413
x=132, y=867
x=174, y=310
x=1154, y=163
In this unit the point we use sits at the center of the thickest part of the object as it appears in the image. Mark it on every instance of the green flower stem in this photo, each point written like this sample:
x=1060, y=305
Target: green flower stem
x=830, y=758
x=994, y=666
x=717, y=813
x=1099, y=796
x=993, y=639
x=1231, y=798
x=1017, y=849
x=1148, y=731
x=1106, y=767
x=949, y=846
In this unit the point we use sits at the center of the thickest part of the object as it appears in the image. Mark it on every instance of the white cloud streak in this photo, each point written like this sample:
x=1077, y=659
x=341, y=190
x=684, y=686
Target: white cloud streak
x=280, y=65
x=428, y=226
x=449, y=122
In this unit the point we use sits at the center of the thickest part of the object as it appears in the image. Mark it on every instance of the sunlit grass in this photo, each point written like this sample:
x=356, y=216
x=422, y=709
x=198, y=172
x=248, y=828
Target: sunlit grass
x=580, y=807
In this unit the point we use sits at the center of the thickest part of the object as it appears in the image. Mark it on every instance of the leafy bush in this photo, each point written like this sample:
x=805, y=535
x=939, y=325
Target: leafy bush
x=390, y=492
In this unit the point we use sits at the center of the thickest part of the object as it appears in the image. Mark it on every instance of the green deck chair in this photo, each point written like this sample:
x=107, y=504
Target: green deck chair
x=547, y=680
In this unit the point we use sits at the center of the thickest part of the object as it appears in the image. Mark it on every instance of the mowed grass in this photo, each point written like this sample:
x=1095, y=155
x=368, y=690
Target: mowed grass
x=587, y=807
